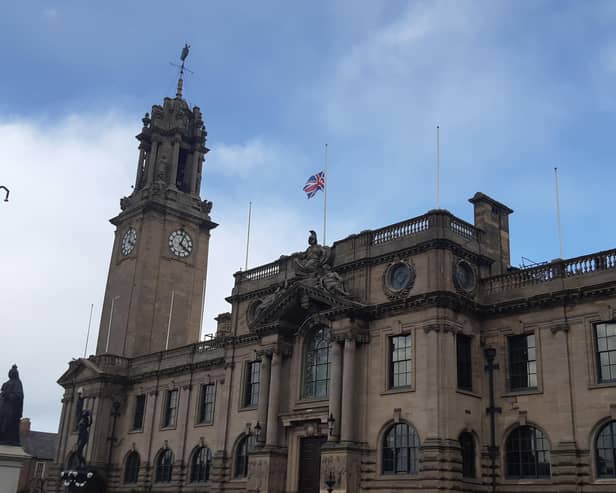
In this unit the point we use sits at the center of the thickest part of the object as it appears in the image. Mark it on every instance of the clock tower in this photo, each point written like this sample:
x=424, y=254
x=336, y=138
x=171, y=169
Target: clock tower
x=156, y=282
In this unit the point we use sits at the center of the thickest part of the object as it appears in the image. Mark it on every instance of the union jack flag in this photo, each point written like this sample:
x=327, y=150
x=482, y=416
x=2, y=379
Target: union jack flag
x=314, y=184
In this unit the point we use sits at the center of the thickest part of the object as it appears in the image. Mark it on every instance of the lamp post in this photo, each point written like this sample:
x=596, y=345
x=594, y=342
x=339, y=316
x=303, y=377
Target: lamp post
x=330, y=482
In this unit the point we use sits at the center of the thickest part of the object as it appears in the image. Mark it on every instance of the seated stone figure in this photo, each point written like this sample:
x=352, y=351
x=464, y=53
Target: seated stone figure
x=311, y=262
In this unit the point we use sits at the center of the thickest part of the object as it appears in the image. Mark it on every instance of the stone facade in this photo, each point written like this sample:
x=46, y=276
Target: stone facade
x=363, y=364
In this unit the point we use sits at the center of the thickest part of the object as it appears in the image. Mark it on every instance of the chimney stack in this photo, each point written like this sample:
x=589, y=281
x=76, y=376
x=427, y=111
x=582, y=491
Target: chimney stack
x=492, y=218
x=24, y=426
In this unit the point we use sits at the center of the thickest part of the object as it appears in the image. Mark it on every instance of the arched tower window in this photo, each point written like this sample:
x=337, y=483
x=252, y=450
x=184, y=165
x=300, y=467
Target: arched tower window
x=244, y=448
x=200, y=465
x=605, y=451
x=164, y=466
x=527, y=454
x=400, y=450
x=316, y=365
x=131, y=468
x=467, y=446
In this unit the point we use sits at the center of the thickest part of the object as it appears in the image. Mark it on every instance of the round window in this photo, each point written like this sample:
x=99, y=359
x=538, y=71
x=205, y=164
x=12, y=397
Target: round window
x=464, y=276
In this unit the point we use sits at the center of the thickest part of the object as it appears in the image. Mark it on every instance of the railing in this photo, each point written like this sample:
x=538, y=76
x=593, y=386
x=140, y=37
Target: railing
x=559, y=269
x=401, y=229
x=464, y=229
x=262, y=272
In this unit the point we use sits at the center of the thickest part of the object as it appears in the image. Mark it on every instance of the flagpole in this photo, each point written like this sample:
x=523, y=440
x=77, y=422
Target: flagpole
x=438, y=168
x=560, y=229
x=325, y=200
x=169, y=322
x=85, y=349
x=248, y=235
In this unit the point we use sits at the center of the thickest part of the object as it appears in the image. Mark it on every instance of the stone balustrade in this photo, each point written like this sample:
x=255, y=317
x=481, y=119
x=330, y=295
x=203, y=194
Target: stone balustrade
x=558, y=269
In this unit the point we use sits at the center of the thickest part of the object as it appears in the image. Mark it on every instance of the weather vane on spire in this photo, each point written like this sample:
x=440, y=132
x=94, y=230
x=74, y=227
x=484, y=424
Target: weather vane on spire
x=182, y=68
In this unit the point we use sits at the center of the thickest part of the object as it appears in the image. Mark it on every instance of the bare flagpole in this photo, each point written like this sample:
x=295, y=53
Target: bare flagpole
x=85, y=350
x=169, y=322
x=560, y=229
x=325, y=199
x=248, y=235
x=438, y=168
x=110, y=319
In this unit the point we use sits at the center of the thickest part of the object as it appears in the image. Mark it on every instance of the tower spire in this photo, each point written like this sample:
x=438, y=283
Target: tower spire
x=183, y=57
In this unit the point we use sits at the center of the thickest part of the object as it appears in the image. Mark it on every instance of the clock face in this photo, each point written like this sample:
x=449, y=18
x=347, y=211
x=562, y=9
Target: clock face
x=180, y=243
x=129, y=240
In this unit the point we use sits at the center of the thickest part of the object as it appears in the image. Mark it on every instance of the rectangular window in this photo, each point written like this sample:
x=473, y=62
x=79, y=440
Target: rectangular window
x=139, y=412
x=39, y=470
x=253, y=378
x=465, y=362
x=400, y=361
x=522, y=362
x=206, y=409
x=171, y=408
x=605, y=337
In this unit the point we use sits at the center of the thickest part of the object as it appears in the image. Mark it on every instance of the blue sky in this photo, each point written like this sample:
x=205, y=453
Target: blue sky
x=516, y=87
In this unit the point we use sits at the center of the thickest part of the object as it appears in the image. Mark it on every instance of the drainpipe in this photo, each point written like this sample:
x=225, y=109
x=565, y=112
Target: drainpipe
x=492, y=410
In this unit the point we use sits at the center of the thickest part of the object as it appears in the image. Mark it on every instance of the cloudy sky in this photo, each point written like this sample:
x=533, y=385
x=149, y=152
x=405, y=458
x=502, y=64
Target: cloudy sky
x=516, y=87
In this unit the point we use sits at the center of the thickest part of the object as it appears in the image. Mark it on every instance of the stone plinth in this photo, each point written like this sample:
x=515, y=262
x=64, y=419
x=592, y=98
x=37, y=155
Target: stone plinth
x=12, y=459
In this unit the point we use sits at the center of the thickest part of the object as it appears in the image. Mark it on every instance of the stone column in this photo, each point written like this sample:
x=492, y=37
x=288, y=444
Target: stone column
x=194, y=172
x=266, y=365
x=348, y=379
x=139, y=168
x=274, y=400
x=174, y=163
x=335, y=388
x=152, y=163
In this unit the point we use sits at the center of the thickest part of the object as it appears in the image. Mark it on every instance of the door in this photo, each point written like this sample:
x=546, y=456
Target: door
x=310, y=464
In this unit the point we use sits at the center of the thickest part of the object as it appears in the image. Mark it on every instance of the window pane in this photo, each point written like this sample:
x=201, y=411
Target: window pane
x=527, y=454
x=400, y=447
x=316, y=365
x=522, y=362
x=400, y=364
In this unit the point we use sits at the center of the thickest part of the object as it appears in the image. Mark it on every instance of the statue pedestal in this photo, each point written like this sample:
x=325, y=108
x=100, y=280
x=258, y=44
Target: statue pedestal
x=12, y=459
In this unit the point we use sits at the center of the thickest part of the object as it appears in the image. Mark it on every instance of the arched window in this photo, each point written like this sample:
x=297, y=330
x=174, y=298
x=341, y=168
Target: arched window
x=131, y=469
x=316, y=365
x=605, y=451
x=245, y=447
x=527, y=453
x=200, y=465
x=164, y=466
x=467, y=446
x=400, y=450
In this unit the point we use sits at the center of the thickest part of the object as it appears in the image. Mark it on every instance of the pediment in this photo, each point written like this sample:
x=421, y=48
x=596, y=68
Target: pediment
x=80, y=370
x=291, y=306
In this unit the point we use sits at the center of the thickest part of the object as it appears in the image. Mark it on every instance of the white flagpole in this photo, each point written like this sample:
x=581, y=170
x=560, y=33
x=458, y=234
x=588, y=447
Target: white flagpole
x=169, y=322
x=85, y=350
x=325, y=199
x=110, y=319
x=560, y=229
x=202, y=310
x=438, y=168
x=248, y=235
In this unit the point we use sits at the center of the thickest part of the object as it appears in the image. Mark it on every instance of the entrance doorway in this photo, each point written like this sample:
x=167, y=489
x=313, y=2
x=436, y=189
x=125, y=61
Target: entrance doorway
x=310, y=464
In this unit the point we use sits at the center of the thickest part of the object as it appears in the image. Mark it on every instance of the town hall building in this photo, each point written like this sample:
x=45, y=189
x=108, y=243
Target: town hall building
x=413, y=357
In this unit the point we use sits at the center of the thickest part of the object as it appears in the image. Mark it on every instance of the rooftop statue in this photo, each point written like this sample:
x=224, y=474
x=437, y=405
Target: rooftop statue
x=311, y=262
x=11, y=408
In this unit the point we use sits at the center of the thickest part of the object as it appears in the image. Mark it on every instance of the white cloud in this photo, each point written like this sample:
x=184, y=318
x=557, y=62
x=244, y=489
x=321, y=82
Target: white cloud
x=243, y=159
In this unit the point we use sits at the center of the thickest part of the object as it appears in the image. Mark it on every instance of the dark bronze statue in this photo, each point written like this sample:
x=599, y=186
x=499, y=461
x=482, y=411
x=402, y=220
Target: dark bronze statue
x=11, y=408
x=83, y=430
